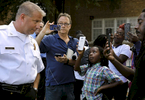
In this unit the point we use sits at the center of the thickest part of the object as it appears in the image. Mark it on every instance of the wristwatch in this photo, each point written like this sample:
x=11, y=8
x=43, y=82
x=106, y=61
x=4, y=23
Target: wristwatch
x=67, y=62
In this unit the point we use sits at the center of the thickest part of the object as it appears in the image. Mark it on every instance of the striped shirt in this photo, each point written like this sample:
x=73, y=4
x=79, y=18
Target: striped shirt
x=95, y=77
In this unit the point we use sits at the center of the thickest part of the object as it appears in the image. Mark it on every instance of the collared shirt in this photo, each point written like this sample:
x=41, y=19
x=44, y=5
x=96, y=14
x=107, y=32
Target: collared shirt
x=124, y=50
x=57, y=73
x=95, y=77
x=20, y=59
x=43, y=55
x=137, y=46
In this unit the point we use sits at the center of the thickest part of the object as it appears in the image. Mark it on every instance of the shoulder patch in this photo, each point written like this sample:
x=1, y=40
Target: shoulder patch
x=3, y=26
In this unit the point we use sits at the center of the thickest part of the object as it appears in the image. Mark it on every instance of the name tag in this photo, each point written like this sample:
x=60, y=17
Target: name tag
x=9, y=48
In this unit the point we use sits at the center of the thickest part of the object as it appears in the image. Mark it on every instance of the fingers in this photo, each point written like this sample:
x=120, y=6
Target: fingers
x=105, y=52
x=132, y=37
x=64, y=55
x=129, y=34
x=106, y=49
x=61, y=59
x=48, y=24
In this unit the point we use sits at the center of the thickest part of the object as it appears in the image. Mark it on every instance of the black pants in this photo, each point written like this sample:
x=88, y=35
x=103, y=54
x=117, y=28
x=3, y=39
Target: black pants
x=41, y=87
x=6, y=95
x=78, y=89
x=121, y=91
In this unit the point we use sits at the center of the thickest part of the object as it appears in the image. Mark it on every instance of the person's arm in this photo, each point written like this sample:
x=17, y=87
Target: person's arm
x=108, y=86
x=132, y=38
x=125, y=71
x=135, y=40
x=71, y=62
x=44, y=31
x=65, y=60
x=121, y=58
x=78, y=61
x=36, y=82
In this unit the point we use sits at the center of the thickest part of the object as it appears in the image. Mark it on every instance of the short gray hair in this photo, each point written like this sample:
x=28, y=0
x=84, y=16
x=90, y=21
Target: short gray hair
x=28, y=8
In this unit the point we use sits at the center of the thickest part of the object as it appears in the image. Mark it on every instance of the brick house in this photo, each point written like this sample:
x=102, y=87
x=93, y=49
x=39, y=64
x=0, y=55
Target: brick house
x=94, y=20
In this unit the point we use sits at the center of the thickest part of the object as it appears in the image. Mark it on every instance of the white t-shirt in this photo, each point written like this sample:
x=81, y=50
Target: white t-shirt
x=122, y=49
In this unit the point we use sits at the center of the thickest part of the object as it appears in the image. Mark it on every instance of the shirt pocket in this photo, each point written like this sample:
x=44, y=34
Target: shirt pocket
x=10, y=56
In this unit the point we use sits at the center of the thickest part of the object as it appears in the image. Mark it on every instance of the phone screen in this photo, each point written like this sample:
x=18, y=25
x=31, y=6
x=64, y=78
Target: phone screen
x=57, y=54
x=127, y=29
x=108, y=33
x=55, y=27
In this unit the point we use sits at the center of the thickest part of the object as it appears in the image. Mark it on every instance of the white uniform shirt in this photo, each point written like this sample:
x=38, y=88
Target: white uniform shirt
x=20, y=59
x=122, y=49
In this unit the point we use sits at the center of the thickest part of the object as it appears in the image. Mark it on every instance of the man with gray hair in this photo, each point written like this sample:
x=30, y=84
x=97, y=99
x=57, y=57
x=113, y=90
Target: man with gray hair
x=59, y=71
x=20, y=61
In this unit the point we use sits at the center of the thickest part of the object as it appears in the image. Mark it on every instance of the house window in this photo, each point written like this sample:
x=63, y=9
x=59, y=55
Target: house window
x=99, y=26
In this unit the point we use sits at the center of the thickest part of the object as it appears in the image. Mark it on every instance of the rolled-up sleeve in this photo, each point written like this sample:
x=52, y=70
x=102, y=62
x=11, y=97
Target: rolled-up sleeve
x=110, y=76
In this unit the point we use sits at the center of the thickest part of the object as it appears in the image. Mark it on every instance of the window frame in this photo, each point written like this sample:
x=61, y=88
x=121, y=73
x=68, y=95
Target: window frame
x=115, y=24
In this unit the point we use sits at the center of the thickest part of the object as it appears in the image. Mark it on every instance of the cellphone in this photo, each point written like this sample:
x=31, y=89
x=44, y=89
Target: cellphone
x=57, y=54
x=55, y=27
x=126, y=29
x=108, y=34
x=81, y=44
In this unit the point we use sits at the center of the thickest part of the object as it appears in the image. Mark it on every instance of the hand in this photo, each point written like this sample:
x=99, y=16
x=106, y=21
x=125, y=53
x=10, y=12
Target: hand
x=132, y=38
x=98, y=91
x=62, y=59
x=81, y=52
x=46, y=28
x=106, y=49
x=111, y=38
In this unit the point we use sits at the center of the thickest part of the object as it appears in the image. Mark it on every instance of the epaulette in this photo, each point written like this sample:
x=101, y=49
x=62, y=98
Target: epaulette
x=3, y=26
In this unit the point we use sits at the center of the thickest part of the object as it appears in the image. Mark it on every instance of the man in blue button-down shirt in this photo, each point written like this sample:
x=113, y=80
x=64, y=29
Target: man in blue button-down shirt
x=59, y=70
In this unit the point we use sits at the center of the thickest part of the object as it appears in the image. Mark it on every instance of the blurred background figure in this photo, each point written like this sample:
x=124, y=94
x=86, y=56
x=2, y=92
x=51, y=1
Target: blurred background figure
x=121, y=52
x=41, y=87
x=78, y=34
x=79, y=79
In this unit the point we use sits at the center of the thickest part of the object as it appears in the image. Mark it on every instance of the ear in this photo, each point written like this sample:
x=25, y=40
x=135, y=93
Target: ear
x=70, y=26
x=22, y=17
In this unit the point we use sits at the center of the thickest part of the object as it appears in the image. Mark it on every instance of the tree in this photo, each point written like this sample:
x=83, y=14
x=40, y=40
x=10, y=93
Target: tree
x=51, y=7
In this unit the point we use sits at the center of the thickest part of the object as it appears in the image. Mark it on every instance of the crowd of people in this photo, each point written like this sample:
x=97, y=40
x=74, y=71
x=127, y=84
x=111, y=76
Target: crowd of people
x=31, y=70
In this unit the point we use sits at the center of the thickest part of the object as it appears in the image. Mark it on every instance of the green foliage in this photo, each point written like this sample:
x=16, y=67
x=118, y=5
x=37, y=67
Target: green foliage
x=11, y=6
x=51, y=7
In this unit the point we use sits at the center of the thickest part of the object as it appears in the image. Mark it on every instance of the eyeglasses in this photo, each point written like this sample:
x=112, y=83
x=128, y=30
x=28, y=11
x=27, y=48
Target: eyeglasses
x=119, y=33
x=65, y=24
